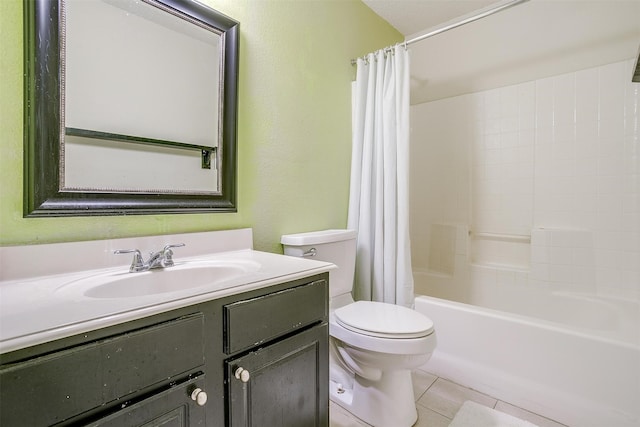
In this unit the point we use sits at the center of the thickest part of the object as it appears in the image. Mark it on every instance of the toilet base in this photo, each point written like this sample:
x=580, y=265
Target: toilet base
x=388, y=402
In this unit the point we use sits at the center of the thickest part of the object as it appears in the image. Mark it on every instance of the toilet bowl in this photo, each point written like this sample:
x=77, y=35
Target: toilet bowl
x=373, y=345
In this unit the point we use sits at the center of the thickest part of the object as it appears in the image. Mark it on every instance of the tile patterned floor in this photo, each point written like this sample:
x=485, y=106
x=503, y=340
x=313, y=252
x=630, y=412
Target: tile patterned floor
x=438, y=400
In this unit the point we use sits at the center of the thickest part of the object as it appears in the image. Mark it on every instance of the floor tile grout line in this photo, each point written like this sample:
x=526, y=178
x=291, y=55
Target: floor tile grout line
x=484, y=394
x=494, y=405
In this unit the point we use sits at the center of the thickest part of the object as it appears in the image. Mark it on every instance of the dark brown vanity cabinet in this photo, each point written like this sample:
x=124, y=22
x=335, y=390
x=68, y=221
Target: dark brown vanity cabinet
x=178, y=368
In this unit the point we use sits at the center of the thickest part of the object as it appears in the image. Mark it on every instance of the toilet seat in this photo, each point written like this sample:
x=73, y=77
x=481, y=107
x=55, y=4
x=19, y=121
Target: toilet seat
x=383, y=320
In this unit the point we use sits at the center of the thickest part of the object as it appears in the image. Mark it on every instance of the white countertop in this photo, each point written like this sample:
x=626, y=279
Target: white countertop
x=34, y=310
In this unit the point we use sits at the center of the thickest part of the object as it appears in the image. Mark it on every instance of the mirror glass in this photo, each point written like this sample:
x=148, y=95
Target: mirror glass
x=141, y=116
x=147, y=57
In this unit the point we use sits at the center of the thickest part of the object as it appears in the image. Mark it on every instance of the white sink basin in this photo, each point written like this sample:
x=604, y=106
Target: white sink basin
x=188, y=275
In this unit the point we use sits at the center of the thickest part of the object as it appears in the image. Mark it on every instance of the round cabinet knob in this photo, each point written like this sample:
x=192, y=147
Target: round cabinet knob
x=242, y=374
x=199, y=396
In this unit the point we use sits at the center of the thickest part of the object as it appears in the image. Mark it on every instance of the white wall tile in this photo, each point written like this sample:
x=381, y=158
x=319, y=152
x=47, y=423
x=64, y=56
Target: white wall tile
x=587, y=131
x=562, y=238
x=561, y=153
x=509, y=136
x=586, y=169
x=609, y=221
x=610, y=259
x=612, y=79
x=611, y=128
x=522, y=278
x=484, y=275
x=527, y=103
x=492, y=108
x=583, y=239
x=609, y=204
x=586, y=220
x=508, y=101
x=564, y=100
x=462, y=239
x=540, y=237
x=583, y=257
x=544, y=135
x=506, y=277
x=632, y=261
x=540, y=254
x=631, y=204
x=562, y=274
x=608, y=239
x=492, y=126
x=584, y=278
x=612, y=147
x=611, y=185
x=564, y=131
x=539, y=271
x=587, y=90
x=608, y=279
x=491, y=141
x=544, y=103
x=561, y=255
x=629, y=278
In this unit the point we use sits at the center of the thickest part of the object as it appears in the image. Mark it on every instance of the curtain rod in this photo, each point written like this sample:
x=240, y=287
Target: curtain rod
x=459, y=23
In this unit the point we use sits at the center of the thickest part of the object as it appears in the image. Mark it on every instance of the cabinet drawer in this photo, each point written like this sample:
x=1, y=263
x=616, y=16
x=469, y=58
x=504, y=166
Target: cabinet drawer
x=253, y=321
x=172, y=407
x=61, y=385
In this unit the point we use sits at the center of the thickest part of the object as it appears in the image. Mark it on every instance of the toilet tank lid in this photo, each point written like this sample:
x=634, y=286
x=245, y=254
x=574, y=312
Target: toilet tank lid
x=317, y=237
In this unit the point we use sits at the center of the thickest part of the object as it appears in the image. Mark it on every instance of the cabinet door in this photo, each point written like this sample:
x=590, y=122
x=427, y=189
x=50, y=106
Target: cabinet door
x=170, y=408
x=286, y=384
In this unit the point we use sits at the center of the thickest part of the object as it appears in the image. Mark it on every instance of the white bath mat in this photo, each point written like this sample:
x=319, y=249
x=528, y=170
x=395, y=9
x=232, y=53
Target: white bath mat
x=472, y=414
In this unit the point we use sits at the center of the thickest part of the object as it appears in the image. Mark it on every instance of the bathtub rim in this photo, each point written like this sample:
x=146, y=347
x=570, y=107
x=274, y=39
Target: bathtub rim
x=541, y=322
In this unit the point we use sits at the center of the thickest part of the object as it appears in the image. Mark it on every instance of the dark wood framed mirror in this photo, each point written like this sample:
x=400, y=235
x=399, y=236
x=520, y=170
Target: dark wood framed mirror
x=64, y=144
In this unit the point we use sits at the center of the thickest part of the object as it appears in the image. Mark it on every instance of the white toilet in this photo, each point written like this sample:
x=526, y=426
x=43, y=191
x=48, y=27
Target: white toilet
x=373, y=346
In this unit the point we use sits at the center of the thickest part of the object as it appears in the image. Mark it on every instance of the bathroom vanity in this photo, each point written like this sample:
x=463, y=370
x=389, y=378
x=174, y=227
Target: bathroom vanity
x=250, y=351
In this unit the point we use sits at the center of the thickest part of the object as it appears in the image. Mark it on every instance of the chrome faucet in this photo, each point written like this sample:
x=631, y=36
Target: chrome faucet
x=160, y=259
x=163, y=258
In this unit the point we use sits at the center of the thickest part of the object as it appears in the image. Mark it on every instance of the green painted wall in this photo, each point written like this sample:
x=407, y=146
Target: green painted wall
x=294, y=131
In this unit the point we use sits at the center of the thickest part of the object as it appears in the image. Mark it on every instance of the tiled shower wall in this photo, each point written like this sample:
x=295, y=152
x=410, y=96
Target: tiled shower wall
x=556, y=160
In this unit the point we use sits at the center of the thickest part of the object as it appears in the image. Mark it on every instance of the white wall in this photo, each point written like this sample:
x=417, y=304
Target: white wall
x=553, y=163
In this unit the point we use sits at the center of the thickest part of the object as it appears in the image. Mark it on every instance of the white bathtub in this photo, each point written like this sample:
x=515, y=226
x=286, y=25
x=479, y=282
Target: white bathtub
x=577, y=361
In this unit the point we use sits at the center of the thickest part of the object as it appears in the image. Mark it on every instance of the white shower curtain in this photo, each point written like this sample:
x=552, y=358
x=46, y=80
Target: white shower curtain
x=378, y=197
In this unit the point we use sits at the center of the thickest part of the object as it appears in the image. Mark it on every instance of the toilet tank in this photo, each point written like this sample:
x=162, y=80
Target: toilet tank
x=335, y=246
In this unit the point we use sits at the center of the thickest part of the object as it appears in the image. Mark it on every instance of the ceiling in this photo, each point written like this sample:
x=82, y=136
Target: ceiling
x=414, y=16
x=529, y=41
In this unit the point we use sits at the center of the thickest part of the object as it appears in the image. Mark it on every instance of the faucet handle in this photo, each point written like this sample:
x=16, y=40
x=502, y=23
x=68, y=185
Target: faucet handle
x=167, y=260
x=138, y=262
